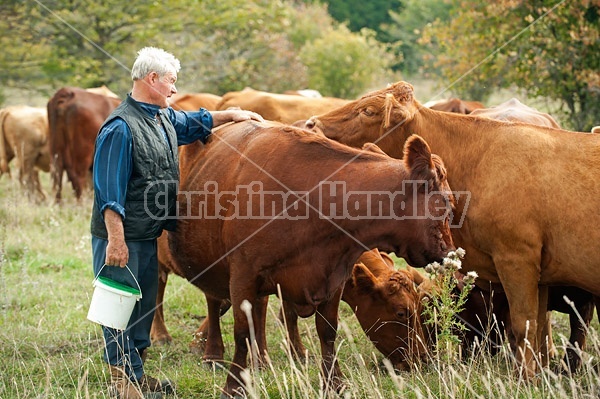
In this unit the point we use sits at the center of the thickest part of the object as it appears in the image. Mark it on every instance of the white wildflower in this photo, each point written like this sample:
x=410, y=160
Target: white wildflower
x=460, y=252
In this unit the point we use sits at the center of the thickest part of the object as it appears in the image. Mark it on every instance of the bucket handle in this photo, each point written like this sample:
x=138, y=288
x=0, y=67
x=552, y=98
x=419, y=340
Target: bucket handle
x=130, y=272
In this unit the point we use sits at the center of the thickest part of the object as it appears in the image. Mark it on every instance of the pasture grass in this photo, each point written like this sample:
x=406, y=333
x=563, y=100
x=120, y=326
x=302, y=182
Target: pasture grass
x=48, y=349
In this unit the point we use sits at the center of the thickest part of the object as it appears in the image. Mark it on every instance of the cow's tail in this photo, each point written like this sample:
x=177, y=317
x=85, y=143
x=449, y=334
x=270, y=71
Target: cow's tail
x=3, y=155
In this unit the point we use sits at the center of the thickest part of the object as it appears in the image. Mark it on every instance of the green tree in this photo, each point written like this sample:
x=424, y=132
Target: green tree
x=406, y=27
x=223, y=45
x=548, y=48
x=359, y=14
x=344, y=65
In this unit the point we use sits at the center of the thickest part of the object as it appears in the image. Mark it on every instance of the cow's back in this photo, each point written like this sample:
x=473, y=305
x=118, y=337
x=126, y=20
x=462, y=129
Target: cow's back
x=283, y=108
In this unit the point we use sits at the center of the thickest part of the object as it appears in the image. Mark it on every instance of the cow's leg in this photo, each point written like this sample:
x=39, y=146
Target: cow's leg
x=580, y=315
x=544, y=332
x=37, y=185
x=159, y=333
x=198, y=344
x=520, y=278
x=213, y=346
x=57, y=177
x=326, y=320
x=289, y=316
x=260, y=324
x=243, y=293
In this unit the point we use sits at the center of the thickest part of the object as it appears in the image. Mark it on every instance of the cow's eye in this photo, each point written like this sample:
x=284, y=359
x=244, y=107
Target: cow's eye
x=368, y=112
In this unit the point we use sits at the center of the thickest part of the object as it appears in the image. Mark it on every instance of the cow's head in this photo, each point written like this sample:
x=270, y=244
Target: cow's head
x=379, y=117
x=386, y=304
x=424, y=206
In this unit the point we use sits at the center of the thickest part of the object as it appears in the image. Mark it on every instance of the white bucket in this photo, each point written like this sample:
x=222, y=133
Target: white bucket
x=112, y=302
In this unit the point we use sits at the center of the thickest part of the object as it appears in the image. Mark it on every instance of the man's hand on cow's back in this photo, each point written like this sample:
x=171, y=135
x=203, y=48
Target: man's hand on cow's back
x=234, y=115
x=117, y=253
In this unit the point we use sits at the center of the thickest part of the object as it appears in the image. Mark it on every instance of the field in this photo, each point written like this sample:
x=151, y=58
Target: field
x=48, y=349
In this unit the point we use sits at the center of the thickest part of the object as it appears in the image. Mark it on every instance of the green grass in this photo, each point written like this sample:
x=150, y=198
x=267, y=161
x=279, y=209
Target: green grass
x=48, y=349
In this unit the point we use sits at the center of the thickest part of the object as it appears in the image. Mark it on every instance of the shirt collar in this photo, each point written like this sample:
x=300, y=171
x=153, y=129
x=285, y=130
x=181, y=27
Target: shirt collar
x=151, y=109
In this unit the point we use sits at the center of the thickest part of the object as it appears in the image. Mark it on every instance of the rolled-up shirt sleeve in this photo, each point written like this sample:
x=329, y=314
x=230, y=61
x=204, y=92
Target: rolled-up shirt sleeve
x=191, y=126
x=112, y=166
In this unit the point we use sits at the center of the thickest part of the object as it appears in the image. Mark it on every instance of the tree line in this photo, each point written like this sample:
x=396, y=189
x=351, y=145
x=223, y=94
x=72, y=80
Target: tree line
x=470, y=48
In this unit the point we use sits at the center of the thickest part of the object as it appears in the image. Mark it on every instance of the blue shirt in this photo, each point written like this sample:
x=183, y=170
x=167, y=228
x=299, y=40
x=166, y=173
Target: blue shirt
x=113, y=154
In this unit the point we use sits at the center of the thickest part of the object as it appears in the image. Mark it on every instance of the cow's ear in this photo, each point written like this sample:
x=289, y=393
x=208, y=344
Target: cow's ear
x=417, y=159
x=362, y=278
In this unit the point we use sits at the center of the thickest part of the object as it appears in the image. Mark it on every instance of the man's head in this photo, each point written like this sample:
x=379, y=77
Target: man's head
x=154, y=74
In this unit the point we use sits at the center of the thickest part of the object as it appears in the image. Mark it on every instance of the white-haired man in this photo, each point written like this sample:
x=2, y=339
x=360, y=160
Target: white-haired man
x=135, y=181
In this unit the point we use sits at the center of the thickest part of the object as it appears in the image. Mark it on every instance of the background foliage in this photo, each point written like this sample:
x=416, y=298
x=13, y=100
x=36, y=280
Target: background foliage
x=545, y=50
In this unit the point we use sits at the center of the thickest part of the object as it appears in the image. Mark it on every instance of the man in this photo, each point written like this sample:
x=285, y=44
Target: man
x=135, y=185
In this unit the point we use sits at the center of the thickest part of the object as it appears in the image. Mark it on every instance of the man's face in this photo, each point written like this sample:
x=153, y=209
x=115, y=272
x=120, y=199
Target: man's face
x=163, y=88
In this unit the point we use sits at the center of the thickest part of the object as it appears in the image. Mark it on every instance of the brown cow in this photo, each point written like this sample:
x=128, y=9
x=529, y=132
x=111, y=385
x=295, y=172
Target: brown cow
x=455, y=105
x=383, y=299
x=103, y=90
x=194, y=101
x=536, y=194
x=285, y=108
x=75, y=116
x=24, y=135
x=232, y=220
x=515, y=111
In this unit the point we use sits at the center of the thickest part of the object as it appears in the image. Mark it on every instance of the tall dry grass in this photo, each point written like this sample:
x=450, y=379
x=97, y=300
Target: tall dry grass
x=49, y=350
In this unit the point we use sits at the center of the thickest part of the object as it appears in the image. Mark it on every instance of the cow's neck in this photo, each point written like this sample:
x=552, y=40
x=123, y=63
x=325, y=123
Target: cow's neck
x=460, y=143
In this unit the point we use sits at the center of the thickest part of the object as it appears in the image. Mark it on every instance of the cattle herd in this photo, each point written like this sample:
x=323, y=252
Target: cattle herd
x=507, y=184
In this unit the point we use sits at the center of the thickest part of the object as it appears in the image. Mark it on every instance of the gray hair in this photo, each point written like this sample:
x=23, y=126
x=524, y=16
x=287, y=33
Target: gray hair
x=152, y=59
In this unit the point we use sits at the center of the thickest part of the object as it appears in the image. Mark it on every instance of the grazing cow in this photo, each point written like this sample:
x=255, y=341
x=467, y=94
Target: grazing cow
x=455, y=105
x=515, y=111
x=194, y=101
x=285, y=108
x=75, y=116
x=231, y=222
x=535, y=191
x=383, y=299
x=24, y=135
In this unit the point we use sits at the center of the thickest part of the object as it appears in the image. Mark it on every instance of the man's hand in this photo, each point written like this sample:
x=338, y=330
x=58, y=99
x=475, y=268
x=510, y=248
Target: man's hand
x=234, y=115
x=117, y=253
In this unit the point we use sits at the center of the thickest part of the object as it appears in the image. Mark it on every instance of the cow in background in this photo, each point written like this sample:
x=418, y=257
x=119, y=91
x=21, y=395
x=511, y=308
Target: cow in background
x=194, y=101
x=455, y=105
x=515, y=111
x=285, y=108
x=24, y=135
x=103, y=90
x=75, y=116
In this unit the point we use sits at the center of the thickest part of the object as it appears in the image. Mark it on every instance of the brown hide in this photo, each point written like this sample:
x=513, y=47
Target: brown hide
x=24, y=135
x=194, y=101
x=236, y=249
x=75, y=116
x=455, y=105
x=515, y=111
x=533, y=215
x=285, y=108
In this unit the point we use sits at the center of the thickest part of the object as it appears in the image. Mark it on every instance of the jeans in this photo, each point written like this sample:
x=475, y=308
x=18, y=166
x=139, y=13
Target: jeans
x=123, y=348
